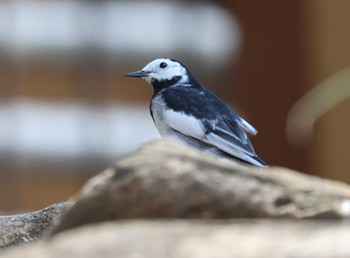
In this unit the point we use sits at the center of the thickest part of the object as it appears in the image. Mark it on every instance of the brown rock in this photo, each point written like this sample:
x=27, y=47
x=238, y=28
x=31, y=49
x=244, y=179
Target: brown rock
x=166, y=179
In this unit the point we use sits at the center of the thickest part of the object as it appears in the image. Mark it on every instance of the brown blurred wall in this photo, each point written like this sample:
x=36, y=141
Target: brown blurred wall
x=290, y=47
x=270, y=75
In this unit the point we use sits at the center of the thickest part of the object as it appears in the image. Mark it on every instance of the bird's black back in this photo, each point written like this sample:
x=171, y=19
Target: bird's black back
x=195, y=101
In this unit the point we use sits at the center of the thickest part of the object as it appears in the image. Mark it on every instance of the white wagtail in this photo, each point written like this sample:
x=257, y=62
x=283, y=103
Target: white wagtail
x=182, y=109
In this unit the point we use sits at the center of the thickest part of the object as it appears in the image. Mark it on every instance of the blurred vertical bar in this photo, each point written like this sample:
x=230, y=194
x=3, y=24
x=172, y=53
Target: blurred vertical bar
x=326, y=41
x=270, y=76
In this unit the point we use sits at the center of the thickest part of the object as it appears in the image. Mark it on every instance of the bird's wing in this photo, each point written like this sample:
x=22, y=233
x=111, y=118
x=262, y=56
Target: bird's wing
x=234, y=141
x=225, y=135
x=210, y=120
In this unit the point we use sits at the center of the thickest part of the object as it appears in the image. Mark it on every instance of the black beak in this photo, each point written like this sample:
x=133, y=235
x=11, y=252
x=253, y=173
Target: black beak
x=138, y=74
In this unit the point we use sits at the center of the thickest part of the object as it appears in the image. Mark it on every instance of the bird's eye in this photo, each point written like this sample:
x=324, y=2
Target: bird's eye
x=163, y=65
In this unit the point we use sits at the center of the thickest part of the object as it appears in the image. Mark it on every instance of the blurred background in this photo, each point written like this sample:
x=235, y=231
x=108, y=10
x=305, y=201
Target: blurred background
x=67, y=112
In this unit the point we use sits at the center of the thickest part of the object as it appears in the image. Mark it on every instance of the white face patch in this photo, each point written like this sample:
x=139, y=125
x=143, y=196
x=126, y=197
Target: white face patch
x=165, y=69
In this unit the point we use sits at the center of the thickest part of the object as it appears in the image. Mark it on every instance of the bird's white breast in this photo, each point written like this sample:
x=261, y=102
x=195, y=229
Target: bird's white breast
x=168, y=120
x=157, y=108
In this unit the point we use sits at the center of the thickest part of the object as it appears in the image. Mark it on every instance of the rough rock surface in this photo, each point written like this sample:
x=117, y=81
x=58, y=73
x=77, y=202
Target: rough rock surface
x=197, y=239
x=165, y=179
x=202, y=195
x=28, y=227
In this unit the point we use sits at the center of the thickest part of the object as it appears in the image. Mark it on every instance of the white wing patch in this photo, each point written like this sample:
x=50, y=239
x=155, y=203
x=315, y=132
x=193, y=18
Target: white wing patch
x=184, y=124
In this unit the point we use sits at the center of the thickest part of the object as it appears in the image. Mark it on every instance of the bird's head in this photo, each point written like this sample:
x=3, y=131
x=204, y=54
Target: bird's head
x=163, y=72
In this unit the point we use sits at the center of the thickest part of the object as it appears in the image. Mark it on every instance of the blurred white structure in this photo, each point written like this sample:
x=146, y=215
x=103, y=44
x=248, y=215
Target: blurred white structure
x=120, y=29
x=123, y=33
x=67, y=131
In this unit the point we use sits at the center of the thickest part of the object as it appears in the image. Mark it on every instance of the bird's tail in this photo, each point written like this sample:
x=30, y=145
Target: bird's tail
x=247, y=127
x=259, y=162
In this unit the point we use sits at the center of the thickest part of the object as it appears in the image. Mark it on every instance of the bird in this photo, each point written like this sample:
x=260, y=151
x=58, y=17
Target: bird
x=183, y=109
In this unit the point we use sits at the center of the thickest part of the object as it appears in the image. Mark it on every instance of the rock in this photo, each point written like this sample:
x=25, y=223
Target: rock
x=246, y=238
x=166, y=179
x=24, y=228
